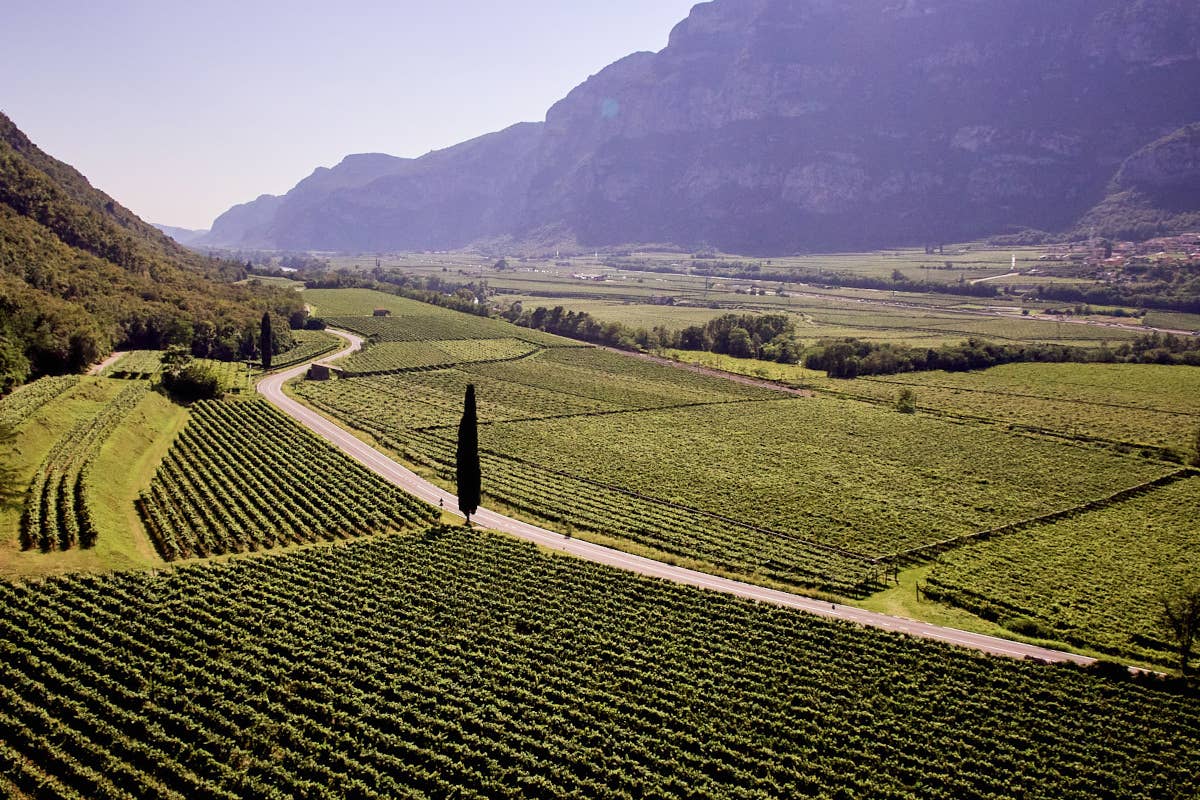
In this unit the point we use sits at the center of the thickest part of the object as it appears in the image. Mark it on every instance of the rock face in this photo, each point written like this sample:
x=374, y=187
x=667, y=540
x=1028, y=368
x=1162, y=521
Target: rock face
x=1167, y=166
x=769, y=126
x=1156, y=191
x=377, y=202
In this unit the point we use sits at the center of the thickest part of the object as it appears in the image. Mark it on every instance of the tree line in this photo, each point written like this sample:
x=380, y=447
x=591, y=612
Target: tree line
x=772, y=337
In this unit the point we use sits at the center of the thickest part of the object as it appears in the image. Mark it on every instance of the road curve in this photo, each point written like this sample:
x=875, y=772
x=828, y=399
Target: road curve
x=271, y=388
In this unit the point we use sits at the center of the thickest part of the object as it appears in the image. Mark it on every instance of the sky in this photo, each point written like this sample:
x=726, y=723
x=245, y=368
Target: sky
x=180, y=110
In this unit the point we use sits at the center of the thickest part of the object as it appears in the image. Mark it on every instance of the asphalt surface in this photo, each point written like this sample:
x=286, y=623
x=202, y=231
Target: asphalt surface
x=271, y=388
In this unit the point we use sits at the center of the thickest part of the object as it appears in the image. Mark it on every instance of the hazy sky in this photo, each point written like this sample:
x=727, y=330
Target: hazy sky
x=181, y=109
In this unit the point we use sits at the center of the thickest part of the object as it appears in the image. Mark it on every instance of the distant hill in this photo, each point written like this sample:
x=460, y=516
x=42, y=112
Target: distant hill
x=184, y=236
x=376, y=202
x=80, y=274
x=769, y=126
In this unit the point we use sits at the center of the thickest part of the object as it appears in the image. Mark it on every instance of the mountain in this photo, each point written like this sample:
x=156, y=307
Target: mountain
x=770, y=126
x=378, y=202
x=1156, y=191
x=80, y=274
x=184, y=236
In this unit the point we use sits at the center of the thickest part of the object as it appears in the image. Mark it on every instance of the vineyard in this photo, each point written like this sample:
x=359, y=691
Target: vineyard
x=57, y=511
x=233, y=376
x=844, y=474
x=799, y=492
x=1132, y=403
x=1095, y=579
x=552, y=383
x=136, y=364
x=25, y=401
x=455, y=665
x=242, y=476
x=413, y=321
x=405, y=356
x=309, y=345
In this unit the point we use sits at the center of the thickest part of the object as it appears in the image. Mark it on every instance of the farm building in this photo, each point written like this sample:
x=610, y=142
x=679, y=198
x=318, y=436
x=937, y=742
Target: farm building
x=318, y=372
x=382, y=312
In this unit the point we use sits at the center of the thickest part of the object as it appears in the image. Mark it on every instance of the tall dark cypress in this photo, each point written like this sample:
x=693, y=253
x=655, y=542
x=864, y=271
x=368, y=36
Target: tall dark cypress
x=265, y=341
x=467, y=463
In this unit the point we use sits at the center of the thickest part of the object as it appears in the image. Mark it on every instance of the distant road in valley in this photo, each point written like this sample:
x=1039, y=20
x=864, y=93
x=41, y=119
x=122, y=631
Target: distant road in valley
x=271, y=388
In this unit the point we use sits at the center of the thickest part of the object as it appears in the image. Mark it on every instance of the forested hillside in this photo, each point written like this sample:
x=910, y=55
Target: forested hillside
x=81, y=275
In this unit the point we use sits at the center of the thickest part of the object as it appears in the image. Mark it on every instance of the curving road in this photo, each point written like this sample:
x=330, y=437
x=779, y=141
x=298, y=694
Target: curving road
x=271, y=388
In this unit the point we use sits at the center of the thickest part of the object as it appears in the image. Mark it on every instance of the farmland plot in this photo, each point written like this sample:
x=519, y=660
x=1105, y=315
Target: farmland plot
x=1095, y=579
x=471, y=666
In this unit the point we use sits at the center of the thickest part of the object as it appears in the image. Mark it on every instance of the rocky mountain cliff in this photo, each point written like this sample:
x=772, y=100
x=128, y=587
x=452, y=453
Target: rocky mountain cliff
x=769, y=126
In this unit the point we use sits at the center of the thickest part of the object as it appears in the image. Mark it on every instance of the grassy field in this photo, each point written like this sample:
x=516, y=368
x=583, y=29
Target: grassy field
x=454, y=664
x=926, y=321
x=127, y=458
x=1097, y=578
x=1172, y=321
x=789, y=492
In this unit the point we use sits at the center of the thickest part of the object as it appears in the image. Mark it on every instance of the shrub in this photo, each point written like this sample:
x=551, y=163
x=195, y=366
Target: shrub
x=192, y=382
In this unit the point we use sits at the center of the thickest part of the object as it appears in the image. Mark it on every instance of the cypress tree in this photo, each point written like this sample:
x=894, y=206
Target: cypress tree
x=265, y=341
x=467, y=464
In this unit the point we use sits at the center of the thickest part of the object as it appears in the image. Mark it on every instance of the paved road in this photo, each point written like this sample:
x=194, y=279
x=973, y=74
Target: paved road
x=271, y=387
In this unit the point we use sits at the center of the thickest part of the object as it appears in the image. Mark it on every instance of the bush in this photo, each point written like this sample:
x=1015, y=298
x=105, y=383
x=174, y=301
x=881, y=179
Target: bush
x=1027, y=627
x=192, y=382
x=906, y=401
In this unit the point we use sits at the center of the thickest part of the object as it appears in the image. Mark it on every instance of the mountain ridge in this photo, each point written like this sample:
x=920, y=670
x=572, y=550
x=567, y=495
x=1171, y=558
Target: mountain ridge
x=770, y=126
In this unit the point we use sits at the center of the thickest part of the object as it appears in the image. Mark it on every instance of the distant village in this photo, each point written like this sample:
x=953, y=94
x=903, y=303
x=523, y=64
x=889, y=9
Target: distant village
x=1166, y=251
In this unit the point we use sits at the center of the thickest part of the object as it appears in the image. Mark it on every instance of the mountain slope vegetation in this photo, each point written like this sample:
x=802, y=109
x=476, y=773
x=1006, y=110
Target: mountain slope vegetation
x=80, y=274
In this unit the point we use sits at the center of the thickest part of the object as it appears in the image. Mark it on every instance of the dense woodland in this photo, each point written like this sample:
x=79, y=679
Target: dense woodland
x=80, y=276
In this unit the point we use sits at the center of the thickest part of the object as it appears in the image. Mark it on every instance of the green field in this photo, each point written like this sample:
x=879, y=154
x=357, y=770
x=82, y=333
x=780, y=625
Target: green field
x=58, y=510
x=27, y=400
x=1095, y=579
x=801, y=492
x=403, y=356
x=852, y=476
x=1173, y=321
x=221, y=489
x=915, y=320
x=128, y=454
x=457, y=665
x=1128, y=404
